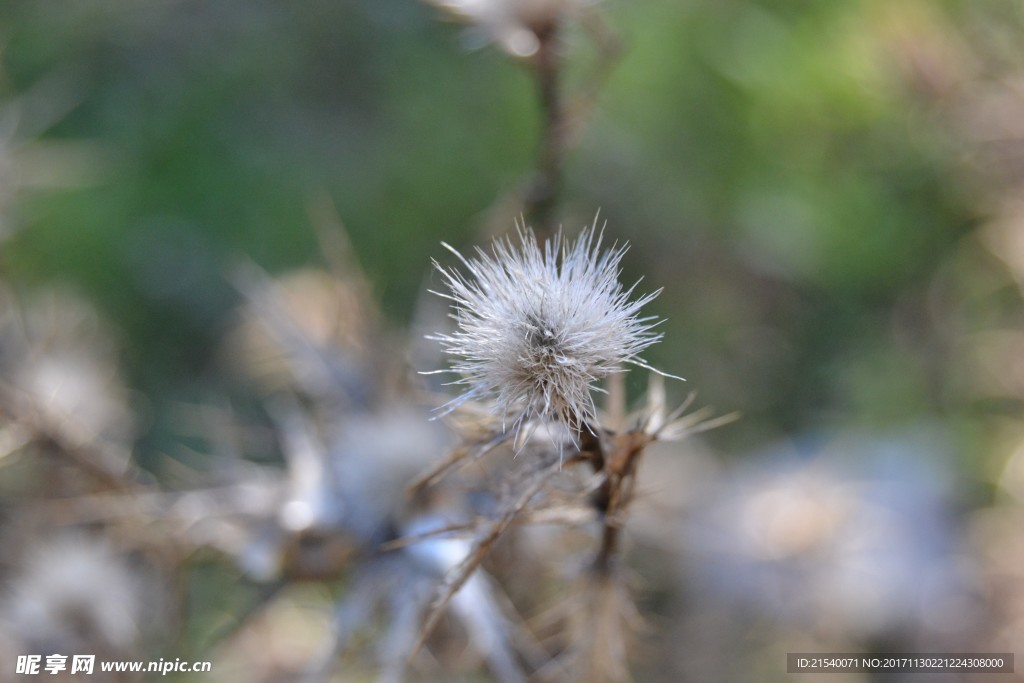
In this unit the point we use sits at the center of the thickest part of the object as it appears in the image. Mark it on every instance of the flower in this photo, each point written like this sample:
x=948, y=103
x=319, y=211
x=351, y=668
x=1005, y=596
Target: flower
x=538, y=326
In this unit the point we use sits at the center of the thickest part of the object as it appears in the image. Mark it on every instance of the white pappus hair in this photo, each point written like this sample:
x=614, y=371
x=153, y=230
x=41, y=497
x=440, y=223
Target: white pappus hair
x=537, y=326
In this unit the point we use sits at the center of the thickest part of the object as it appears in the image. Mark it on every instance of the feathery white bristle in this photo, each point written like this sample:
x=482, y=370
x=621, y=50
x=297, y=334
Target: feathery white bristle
x=537, y=327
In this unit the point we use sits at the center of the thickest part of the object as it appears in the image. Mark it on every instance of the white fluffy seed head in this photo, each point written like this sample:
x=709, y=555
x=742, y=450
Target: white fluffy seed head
x=538, y=326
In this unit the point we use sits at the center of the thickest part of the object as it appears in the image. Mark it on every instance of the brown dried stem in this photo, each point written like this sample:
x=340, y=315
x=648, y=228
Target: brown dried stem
x=543, y=194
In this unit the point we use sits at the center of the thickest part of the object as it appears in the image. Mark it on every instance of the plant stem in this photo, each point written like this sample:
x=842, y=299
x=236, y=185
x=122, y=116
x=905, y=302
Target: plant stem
x=545, y=189
x=619, y=466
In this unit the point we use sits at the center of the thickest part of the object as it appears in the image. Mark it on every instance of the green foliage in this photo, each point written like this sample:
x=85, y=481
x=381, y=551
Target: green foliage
x=768, y=161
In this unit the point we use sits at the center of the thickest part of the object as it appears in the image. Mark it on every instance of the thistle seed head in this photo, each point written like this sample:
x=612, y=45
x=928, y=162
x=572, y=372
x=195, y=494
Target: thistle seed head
x=537, y=326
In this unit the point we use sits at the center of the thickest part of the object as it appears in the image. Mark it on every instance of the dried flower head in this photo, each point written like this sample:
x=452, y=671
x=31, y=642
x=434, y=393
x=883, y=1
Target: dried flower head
x=538, y=326
x=76, y=592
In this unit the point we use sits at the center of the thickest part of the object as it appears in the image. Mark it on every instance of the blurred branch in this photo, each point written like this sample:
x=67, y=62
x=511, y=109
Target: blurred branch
x=544, y=191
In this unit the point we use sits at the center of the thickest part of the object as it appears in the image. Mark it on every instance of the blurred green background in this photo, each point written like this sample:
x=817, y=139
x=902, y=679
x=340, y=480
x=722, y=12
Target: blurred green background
x=792, y=173
x=826, y=191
